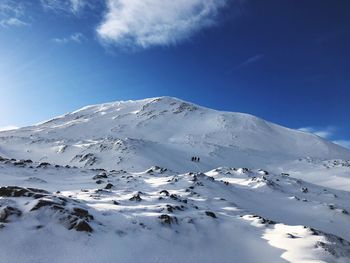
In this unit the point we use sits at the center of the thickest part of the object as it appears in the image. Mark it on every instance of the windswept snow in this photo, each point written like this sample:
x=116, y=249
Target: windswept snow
x=224, y=215
x=165, y=131
x=115, y=183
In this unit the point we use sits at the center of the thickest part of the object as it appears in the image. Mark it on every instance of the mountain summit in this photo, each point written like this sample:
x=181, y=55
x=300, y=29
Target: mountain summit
x=164, y=180
x=163, y=131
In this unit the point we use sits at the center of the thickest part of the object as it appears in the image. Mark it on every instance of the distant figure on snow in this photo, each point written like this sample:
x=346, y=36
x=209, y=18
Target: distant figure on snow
x=195, y=159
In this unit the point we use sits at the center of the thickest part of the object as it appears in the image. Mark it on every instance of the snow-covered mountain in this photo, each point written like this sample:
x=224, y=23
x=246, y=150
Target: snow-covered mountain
x=116, y=183
x=165, y=131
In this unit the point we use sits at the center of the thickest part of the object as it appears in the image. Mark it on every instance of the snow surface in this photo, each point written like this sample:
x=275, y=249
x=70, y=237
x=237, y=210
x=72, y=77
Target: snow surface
x=165, y=131
x=258, y=217
x=115, y=183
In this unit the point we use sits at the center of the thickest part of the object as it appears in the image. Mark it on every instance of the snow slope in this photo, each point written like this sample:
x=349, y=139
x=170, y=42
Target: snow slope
x=115, y=183
x=165, y=131
x=224, y=215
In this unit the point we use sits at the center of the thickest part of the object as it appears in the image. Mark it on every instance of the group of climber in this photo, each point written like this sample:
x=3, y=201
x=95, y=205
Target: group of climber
x=195, y=159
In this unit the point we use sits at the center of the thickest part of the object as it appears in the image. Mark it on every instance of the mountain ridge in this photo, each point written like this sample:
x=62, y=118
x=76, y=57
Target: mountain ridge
x=118, y=182
x=135, y=135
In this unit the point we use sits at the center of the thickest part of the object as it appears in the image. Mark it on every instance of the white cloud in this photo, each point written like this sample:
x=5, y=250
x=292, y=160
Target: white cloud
x=326, y=132
x=148, y=23
x=344, y=143
x=9, y=127
x=76, y=38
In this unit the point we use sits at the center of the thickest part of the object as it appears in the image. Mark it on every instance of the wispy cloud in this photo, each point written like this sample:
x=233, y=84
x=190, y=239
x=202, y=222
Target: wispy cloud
x=66, y=6
x=146, y=23
x=75, y=38
x=248, y=61
x=77, y=5
x=13, y=21
x=12, y=8
x=12, y=14
x=326, y=132
x=57, y=5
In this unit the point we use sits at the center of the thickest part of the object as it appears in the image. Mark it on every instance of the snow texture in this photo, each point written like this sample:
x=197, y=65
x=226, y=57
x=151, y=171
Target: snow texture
x=116, y=183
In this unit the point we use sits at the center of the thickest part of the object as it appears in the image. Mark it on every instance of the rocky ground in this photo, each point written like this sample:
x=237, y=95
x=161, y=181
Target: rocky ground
x=52, y=213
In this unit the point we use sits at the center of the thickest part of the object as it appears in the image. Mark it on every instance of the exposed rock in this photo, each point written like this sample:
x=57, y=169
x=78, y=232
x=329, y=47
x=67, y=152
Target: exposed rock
x=166, y=219
x=164, y=192
x=101, y=175
x=34, y=179
x=304, y=189
x=7, y=211
x=19, y=163
x=82, y=225
x=2, y=159
x=211, y=214
x=136, y=198
x=15, y=191
x=289, y=235
x=72, y=218
x=75, y=218
x=264, y=220
x=174, y=197
x=82, y=213
x=43, y=165
x=335, y=245
x=109, y=186
x=344, y=211
x=89, y=159
x=43, y=202
x=184, y=107
x=263, y=172
x=156, y=169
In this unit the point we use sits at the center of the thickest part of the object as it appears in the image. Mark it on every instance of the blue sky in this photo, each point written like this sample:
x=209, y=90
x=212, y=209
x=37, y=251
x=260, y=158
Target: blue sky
x=285, y=61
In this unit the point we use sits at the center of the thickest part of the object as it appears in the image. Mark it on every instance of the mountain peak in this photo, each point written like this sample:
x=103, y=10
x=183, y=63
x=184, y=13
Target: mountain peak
x=164, y=131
